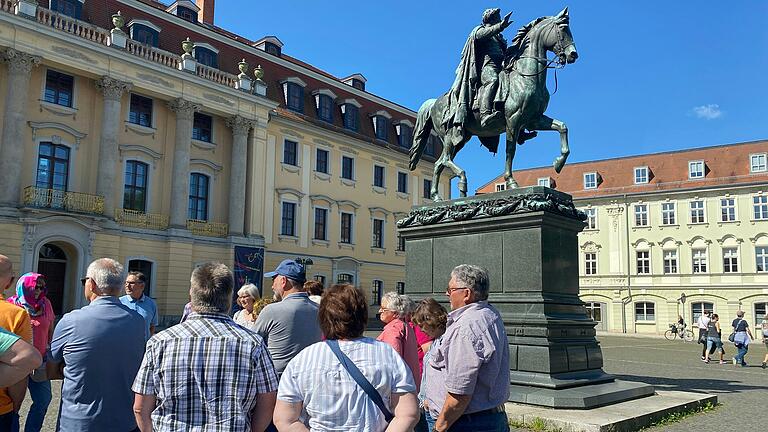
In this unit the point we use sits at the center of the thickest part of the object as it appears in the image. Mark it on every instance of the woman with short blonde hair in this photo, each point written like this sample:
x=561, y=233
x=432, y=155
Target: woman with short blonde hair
x=247, y=296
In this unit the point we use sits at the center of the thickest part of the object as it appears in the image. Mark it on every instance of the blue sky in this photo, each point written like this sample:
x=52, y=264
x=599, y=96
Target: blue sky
x=652, y=75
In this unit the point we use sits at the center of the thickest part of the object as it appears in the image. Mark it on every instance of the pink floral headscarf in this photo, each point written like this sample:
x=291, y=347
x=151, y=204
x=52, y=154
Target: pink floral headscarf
x=25, y=294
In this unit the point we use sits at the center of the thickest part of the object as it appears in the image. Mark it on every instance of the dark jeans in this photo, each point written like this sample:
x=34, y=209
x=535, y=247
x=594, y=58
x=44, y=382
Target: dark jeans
x=495, y=422
x=422, y=425
x=742, y=351
x=9, y=422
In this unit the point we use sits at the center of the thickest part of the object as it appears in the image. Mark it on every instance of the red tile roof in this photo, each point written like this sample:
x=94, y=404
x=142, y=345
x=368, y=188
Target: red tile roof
x=725, y=165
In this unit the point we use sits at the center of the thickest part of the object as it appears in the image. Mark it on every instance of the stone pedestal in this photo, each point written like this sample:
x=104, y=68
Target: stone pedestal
x=527, y=239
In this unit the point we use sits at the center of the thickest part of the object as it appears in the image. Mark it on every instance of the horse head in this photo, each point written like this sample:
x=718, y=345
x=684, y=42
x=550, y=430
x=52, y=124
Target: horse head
x=560, y=40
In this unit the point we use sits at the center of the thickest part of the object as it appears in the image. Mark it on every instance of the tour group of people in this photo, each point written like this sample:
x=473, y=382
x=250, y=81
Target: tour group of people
x=739, y=334
x=297, y=362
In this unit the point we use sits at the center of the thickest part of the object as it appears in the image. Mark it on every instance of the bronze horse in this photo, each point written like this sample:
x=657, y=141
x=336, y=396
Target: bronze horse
x=526, y=97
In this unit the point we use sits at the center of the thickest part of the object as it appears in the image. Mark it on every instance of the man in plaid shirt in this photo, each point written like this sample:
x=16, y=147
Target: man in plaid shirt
x=207, y=373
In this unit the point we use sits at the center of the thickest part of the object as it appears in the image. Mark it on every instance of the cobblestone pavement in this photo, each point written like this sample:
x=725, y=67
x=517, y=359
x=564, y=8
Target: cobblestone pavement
x=668, y=365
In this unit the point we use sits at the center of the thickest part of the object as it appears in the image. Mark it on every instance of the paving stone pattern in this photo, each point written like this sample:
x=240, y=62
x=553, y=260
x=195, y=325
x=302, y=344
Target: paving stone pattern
x=671, y=365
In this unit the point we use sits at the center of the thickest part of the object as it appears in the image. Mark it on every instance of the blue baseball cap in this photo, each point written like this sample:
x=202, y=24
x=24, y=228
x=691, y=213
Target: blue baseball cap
x=290, y=269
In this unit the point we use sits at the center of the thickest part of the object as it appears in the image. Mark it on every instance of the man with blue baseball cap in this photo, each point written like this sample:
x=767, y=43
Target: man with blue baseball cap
x=289, y=325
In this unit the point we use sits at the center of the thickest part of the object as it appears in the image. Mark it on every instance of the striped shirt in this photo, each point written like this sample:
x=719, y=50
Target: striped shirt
x=206, y=373
x=331, y=398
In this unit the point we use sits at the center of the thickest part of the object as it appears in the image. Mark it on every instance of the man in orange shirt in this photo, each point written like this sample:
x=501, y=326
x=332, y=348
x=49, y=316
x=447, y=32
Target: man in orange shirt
x=15, y=320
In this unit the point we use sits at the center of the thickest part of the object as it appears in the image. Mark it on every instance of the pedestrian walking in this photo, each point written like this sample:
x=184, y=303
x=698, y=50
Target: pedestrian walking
x=468, y=374
x=741, y=338
x=97, y=351
x=247, y=296
x=17, y=321
x=431, y=317
x=764, y=331
x=31, y=295
x=702, y=324
x=397, y=333
x=136, y=299
x=714, y=341
x=322, y=387
x=207, y=373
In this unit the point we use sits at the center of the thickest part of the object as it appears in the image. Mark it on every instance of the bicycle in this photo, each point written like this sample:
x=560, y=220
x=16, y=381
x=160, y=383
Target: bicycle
x=675, y=331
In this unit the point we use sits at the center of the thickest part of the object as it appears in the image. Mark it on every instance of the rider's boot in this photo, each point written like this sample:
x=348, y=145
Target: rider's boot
x=487, y=110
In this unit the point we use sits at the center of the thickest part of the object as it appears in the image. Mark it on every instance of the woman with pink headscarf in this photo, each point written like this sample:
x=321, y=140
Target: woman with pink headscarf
x=30, y=295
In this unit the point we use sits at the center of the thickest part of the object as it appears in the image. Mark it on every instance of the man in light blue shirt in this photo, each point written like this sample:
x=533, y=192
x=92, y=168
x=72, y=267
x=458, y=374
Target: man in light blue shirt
x=97, y=350
x=135, y=299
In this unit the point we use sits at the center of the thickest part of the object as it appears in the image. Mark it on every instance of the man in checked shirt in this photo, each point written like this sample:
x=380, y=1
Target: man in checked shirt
x=206, y=373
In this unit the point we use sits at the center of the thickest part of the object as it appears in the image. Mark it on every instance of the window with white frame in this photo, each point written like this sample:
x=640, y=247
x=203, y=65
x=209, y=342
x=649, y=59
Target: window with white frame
x=643, y=262
x=761, y=259
x=727, y=209
x=321, y=223
x=402, y=182
x=696, y=169
x=641, y=215
x=346, y=228
x=730, y=260
x=758, y=163
x=645, y=311
x=347, y=167
x=378, y=176
x=321, y=161
x=500, y=187
x=697, y=211
x=699, y=260
x=670, y=261
x=668, y=213
x=590, y=180
x=760, y=206
x=591, y=218
x=544, y=181
x=641, y=175
x=590, y=263
x=761, y=309
x=377, y=240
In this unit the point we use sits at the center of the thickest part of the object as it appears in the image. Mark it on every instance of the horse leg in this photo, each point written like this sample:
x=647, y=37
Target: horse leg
x=547, y=123
x=513, y=130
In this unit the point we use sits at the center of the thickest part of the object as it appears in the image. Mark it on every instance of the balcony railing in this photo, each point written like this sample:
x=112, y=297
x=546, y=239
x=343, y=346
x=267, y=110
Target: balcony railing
x=63, y=200
x=73, y=26
x=216, y=75
x=134, y=218
x=209, y=229
x=155, y=55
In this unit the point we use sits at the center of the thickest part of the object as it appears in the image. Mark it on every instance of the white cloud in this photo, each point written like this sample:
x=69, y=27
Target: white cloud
x=708, y=112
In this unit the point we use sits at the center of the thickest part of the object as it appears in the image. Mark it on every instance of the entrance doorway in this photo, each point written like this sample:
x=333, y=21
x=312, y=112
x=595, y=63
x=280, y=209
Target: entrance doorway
x=52, y=263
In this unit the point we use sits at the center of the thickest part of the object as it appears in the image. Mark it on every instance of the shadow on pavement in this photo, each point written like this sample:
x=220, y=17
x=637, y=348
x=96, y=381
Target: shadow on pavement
x=692, y=384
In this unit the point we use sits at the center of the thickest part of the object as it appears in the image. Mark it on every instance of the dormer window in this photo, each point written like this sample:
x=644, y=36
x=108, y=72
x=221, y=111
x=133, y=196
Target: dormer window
x=324, y=104
x=272, y=48
x=381, y=125
x=350, y=111
x=144, y=32
x=206, y=54
x=186, y=14
x=404, y=134
x=357, y=81
x=696, y=169
x=293, y=90
x=360, y=85
x=72, y=8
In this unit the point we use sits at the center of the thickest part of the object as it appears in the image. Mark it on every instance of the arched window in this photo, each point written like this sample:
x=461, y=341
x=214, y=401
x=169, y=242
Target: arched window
x=325, y=108
x=381, y=127
x=144, y=34
x=73, y=8
x=198, y=196
x=294, y=97
x=351, y=116
x=206, y=56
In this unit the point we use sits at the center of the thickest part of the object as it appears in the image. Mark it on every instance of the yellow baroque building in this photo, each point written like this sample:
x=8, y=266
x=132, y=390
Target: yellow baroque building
x=154, y=137
x=691, y=222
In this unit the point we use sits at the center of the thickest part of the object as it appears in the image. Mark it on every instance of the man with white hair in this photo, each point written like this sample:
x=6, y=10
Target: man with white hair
x=97, y=350
x=467, y=377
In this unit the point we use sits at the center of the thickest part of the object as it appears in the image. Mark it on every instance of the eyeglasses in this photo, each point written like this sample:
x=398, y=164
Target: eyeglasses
x=83, y=280
x=133, y=283
x=449, y=290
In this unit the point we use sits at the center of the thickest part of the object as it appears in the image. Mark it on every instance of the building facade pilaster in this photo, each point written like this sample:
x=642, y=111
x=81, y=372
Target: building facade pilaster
x=112, y=90
x=241, y=127
x=12, y=145
x=185, y=113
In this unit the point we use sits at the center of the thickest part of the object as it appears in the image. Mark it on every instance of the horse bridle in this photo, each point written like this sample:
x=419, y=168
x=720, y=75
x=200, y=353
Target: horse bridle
x=558, y=49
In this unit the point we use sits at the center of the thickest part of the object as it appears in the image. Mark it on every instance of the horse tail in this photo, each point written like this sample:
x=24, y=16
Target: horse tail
x=421, y=132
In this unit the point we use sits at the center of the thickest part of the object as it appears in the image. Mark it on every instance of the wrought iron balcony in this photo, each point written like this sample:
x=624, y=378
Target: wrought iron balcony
x=209, y=229
x=138, y=219
x=63, y=200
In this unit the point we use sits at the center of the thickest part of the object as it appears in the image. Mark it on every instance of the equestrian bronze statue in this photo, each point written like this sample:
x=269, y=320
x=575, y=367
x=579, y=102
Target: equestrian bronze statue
x=498, y=88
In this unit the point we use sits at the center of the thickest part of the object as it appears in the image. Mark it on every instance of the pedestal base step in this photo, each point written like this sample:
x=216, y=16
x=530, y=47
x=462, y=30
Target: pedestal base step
x=582, y=397
x=625, y=416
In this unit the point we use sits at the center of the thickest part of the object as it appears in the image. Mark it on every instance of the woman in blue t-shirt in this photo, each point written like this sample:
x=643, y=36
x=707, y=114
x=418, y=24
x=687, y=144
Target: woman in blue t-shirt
x=742, y=338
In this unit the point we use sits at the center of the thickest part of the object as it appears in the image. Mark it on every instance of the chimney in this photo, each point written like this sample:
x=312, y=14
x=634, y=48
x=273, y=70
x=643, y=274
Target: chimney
x=205, y=15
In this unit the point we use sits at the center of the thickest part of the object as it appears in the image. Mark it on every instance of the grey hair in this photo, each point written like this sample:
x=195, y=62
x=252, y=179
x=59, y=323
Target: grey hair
x=107, y=274
x=211, y=288
x=249, y=290
x=395, y=303
x=473, y=277
x=740, y=313
x=410, y=307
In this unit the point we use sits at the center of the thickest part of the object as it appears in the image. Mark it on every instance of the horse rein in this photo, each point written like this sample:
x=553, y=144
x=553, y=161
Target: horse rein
x=559, y=51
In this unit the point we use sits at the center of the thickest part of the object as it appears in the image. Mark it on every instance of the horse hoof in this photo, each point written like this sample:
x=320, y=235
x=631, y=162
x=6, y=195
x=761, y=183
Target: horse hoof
x=511, y=184
x=559, y=163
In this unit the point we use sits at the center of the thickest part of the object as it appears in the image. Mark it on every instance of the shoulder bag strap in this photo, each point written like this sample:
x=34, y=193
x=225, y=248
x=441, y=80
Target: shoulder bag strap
x=356, y=375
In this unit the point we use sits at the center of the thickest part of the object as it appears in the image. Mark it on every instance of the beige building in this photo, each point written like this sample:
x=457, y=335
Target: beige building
x=119, y=140
x=691, y=222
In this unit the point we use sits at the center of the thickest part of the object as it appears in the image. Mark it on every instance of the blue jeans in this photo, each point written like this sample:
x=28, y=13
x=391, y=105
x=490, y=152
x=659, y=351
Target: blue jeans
x=40, y=392
x=430, y=420
x=742, y=351
x=9, y=422
x=495, y=422
x=714, y=343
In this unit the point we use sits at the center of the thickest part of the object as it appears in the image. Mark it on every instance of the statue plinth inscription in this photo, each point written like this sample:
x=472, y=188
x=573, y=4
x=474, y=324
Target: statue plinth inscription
x=527, y=238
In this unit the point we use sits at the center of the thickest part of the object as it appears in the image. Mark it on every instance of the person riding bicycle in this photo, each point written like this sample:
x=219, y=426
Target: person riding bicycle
x=680, y=324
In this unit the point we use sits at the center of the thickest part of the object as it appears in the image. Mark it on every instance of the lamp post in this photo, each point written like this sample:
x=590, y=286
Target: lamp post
x=306, y=262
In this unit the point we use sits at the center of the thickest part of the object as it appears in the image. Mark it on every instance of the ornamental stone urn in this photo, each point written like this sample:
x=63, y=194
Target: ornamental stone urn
x=188, y=63
x=243, y=82
x=259, y=87
x=117, y=37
